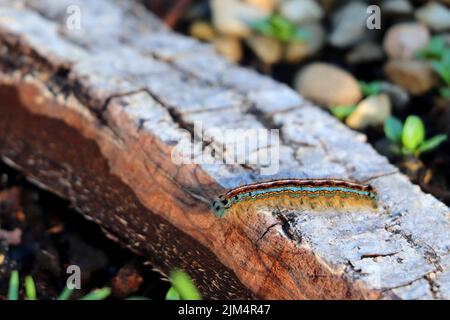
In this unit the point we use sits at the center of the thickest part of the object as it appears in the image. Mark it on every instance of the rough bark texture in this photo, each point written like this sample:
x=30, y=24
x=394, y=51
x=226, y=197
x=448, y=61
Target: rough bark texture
x=93, y=115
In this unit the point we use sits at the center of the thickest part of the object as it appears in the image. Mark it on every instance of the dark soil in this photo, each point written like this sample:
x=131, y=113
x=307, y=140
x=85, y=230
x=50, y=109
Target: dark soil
x=55, y=236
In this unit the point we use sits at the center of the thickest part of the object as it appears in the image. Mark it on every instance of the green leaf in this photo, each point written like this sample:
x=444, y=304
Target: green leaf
x=280, y=23
x=393, y=129
x=98, y=294
x=65, y=294
x=342, y=112
x=442, y=70
x=434, y=50
x=172, y=294
x=370, y=88
x=13, y=290
x=436, y=46
x=278, y=27
x=184, y=286
x=30, y=288
x=446, y=57
x=432, y=143
x=284, y=35
x=281, y=27
x=445, y=92
x=413, y=133
x=301, y=35
x=262, y=26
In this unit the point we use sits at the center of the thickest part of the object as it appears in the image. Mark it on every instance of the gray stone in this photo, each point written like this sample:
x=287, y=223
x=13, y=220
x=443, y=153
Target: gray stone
x=349, y=24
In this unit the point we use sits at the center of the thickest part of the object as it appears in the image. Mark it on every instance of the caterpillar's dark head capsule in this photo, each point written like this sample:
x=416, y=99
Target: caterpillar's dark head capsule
x=220, y=206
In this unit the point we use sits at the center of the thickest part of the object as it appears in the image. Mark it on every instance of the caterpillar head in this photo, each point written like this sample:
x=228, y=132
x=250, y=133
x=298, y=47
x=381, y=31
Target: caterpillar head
x=373, y=195
x=220, y=206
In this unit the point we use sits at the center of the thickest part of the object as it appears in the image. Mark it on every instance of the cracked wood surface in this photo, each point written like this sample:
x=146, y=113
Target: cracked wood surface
x=93, y=115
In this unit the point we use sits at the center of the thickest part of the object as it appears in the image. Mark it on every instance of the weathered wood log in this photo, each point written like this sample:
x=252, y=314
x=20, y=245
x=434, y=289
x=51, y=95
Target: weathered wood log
x=93, y=115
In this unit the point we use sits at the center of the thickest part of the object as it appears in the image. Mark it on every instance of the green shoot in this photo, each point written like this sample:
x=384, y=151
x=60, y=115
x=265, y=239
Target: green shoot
x=99, y=294
x=278, y=27
x=409, y=138
x=13, y=291
x=30, y=288
x=172, y=294
x=445, y=93
x=393, y=129
x=442, y=68
x=370, y=88
x=432, y=143
x=65, y=294
x=342, y=112
x=367, y=88
x=438, y=53
x=413, y=133
x=182, y=287
x=434, y=50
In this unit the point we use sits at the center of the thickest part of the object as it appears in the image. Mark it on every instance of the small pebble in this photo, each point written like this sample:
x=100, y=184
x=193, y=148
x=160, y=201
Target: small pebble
x=229, y=47
x=404, y=40
x=268, y=50
x=301, y=11
x=327, y=85
x=372, y=111
x=202, y=30
x=415, y=76
x=434, y=15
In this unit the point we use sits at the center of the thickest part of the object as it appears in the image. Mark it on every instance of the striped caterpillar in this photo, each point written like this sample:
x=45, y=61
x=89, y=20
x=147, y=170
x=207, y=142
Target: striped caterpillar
x=296, y=193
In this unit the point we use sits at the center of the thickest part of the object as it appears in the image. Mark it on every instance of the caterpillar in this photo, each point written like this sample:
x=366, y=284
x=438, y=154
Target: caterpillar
x=296, y=193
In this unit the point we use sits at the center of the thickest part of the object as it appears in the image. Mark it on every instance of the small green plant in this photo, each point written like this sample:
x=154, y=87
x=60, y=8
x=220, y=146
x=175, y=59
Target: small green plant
x=445, y=93
x=182, y=287
x=98, y=294
x=342, y=112
x=370, y=88
x=13, y=291
x=65, y=294
x=438, y=52
x=409, y=138
x=434, y=50
x=30, y=290
x=278, y=27
x=442, y=68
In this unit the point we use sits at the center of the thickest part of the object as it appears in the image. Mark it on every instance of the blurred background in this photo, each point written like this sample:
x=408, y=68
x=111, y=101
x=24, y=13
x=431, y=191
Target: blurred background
x=382, y=67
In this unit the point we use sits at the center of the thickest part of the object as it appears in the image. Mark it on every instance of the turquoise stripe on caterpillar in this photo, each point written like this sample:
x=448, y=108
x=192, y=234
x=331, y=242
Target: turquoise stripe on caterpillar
x=293, y=188
x=311, y=189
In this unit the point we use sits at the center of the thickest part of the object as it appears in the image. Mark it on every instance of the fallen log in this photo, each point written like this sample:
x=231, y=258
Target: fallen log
x=94, y=114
